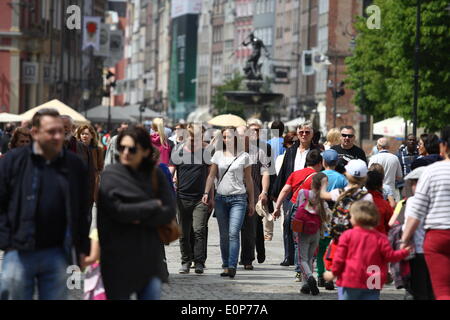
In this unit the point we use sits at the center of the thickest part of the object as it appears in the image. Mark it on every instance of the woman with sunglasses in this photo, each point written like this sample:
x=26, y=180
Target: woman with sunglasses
x=234, y=196
x=129, y=212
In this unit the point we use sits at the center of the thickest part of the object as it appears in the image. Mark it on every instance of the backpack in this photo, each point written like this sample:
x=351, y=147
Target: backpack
x=304, y=221
x=340, y=217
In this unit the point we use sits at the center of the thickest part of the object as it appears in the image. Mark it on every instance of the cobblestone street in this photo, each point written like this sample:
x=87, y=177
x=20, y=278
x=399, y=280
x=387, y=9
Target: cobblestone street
x=266, y=282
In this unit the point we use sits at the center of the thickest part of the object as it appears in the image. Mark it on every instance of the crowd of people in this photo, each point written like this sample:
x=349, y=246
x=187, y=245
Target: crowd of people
x=73, y=195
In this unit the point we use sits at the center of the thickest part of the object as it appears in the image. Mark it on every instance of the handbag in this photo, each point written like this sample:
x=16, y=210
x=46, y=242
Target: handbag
x=305, y=221
x=167, y=232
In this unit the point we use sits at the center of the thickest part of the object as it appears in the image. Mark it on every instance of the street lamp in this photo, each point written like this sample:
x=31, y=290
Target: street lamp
x=337, y=90
x=109, y=87
x=416, y=68
x=86, y=96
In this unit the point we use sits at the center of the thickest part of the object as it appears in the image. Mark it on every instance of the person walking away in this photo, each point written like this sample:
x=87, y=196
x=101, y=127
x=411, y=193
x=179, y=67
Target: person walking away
x=419, y=284
x=388, y=194
x=44, y=215
x=234, y=196
x=160, y=141
x=191, y=169
x=347, y=149
x=390, y=164
x=277, y=142
x=297, y=181
x=356, y=174
x=294, y=160
x=406, y=155
x=430, y=204
x=254, y=227
x=134, y=200
x=314, y=214
x=374, y=185
x=112, y=154
x=359, y=250
x=336, y=180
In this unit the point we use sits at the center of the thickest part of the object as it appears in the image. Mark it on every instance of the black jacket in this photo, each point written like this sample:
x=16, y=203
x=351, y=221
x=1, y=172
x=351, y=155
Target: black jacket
x=131, y=253
x=286, y=169
x=19, y=192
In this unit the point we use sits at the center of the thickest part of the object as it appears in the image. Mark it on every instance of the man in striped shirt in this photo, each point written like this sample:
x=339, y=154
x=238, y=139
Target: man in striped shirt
x=431, y=203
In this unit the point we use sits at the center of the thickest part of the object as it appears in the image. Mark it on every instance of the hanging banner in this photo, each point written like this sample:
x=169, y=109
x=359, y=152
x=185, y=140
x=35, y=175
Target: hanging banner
x=104, y=41
x=183, y=7
x=91, y=32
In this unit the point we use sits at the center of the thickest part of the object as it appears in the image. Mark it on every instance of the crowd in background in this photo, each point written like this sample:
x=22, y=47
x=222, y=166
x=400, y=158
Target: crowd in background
x=340, y=212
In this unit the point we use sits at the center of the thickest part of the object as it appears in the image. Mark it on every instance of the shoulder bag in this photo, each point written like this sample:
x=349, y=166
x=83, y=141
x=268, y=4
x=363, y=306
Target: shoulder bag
x=167, y=232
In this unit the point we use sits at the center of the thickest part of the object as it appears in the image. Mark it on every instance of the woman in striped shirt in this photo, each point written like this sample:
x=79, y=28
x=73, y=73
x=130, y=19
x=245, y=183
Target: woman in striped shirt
x=431, y=204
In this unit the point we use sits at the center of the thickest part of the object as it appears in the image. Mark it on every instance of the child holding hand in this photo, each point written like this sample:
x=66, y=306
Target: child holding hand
x=360, y=261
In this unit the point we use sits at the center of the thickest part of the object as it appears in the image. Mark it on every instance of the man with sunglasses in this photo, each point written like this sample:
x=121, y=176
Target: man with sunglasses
x=347, y=150
x=294, y=160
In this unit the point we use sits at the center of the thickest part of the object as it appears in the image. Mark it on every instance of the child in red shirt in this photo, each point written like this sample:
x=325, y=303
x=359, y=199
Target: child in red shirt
x=360, y=262
x=374, y=185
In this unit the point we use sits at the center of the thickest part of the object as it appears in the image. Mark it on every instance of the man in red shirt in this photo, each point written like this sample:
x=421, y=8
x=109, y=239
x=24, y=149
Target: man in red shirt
x=374, y=185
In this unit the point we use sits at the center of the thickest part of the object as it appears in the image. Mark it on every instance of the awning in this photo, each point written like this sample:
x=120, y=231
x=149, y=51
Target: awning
x=100, y=114
x=62, y=108
x=9, y=117
x=392, y=127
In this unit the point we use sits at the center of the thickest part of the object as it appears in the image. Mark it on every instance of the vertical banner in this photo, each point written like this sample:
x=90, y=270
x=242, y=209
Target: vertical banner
x=104, y=41
x=91, y=32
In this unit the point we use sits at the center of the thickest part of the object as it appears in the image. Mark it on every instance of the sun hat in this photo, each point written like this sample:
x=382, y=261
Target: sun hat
x=263, y=211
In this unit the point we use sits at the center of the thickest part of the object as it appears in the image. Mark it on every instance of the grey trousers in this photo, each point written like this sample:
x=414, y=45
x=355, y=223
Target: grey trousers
x=306, y=246
x=192, y=215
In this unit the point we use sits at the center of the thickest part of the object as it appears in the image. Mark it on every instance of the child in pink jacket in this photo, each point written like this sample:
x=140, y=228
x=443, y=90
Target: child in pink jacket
x=360, y=262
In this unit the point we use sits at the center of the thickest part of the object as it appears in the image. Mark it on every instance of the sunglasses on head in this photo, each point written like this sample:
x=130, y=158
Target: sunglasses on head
x=347, y=135
x=304, y=132
x=131, y=150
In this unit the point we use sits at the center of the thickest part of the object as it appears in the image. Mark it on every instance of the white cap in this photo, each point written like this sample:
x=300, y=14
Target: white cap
x=357, y=168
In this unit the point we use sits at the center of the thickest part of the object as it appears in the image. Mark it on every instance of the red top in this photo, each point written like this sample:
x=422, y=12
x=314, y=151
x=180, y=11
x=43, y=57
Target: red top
x=364, y=253
x=384, y=209
x=297, y=180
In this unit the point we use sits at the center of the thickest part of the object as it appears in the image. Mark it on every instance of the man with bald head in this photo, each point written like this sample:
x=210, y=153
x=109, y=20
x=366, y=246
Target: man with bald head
x=390, y=163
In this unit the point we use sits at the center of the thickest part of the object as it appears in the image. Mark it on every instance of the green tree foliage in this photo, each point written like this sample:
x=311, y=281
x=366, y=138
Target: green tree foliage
x=221, y=105
x=381, y=69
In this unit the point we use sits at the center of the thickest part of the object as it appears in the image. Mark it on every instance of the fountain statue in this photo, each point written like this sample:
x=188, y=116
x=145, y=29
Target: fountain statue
x=254, y=78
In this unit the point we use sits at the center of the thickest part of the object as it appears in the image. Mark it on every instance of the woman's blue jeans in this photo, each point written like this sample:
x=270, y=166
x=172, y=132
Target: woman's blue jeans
x=152, y=290
x=230, y=212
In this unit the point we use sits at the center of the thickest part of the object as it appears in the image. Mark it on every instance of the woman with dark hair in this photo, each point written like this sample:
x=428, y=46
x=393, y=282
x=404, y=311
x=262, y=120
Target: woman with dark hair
x=88, y=136
x=21, y=137
x=428, y=149
x=234, y=195
x=134, y=200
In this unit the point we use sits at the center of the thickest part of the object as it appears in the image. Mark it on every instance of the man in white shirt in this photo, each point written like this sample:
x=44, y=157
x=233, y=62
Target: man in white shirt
x=390, y=164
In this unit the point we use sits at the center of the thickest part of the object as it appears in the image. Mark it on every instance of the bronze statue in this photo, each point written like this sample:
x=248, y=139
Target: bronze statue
x=252, y=69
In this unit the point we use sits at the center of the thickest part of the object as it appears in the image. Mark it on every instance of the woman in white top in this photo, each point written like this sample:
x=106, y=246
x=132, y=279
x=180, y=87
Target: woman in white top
x=234, y=196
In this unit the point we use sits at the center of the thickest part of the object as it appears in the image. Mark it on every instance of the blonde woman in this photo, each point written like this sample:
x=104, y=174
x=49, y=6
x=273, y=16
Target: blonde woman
x=160, y=141
x=333, y=138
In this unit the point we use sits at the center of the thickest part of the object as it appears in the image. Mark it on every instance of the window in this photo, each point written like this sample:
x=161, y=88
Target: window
x=323, y=6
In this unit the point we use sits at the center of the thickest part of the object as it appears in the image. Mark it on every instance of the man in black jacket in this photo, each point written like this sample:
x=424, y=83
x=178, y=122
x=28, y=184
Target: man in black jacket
x=294, y=159
x=44, y=220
